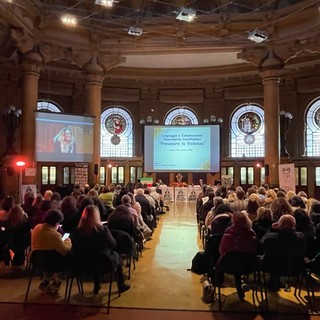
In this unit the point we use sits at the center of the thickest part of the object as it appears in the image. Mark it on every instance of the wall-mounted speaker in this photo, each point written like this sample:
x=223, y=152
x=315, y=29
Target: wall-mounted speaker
x=96, y=169
x=266, y=169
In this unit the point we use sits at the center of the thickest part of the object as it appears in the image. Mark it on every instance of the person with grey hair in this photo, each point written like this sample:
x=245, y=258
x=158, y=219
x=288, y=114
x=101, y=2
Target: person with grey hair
x=240, y=203
x=146, y=208
x=126, y=200
x=147, y=232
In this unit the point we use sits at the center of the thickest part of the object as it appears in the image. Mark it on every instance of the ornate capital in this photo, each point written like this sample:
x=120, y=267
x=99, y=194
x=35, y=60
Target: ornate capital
x=52, y=52
x=306, y=46
x=31, y=63
x=24, y=42
x=110, y=60
x=265, y=58
x=99, y=64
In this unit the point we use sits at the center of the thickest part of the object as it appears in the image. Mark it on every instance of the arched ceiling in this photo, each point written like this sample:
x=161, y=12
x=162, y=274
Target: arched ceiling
x=215, y=39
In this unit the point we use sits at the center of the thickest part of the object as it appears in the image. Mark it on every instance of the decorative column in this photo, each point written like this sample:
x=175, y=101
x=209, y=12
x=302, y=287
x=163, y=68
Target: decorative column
x=271, y=80
x=270, y=61
x=31, y=64
x=95, y=72
x=94, y=79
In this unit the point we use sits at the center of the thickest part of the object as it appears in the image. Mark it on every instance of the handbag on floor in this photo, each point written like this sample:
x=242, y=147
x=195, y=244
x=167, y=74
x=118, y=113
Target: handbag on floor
x=198, y=263
x=208, y=293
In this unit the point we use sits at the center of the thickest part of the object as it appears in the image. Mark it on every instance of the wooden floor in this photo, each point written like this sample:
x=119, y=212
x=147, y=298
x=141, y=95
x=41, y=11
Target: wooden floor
x=161, y=286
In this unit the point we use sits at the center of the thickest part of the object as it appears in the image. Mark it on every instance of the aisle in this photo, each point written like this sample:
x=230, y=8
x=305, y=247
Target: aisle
x=161, y=279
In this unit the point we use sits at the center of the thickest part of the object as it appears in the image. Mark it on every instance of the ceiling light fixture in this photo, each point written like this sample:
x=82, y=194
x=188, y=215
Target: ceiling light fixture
x=135, y=31
x=69, y=20
x=105, y=3
x=257, y=36
x=186, y=14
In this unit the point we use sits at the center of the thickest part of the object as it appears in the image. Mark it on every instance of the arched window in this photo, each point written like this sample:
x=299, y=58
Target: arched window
x=116, y=133
x=313, y=129
x=181, y=116
x=49, y=106
x=247, y=132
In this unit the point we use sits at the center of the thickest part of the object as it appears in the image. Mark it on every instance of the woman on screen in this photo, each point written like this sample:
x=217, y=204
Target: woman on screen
x=64, y=141
x=179, y=177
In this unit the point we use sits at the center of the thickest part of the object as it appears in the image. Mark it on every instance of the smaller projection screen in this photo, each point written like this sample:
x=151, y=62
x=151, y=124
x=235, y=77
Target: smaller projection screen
x=63, y=138
x=182, y=148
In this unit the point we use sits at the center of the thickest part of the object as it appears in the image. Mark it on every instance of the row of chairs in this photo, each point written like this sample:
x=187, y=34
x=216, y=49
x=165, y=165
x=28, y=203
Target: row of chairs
x=37, y=263
x=292, y=268
x=285, y=265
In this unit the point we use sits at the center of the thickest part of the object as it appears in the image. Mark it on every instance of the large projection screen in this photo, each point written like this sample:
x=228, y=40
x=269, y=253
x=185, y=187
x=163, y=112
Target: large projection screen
x=182, y=148
x=63, y=138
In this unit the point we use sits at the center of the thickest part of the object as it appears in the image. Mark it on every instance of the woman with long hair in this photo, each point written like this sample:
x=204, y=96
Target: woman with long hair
x=92, y=248
x=279, y=207
x=70, y=211
x=18, y=234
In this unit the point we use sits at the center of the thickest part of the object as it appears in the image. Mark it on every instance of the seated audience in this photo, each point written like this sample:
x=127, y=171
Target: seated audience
x=306, y=226
x=70, y=213
x=93, y=247
x=6, y=204
x=222, y=219
x=206, y=207
x=239, y=237
x=121, y=219
x=107, y=197
x=271, y=195
x=147, y=232
x=39, y=217
x=18, y=234
x=28, y=199
x=253, y=206
x=46, y=237
x=263, y=223
x=56, y=200
x=297, y=202
x=211, y=214
x=282, y=240
x=146, y=208
x=240, y=203
x=279, y=207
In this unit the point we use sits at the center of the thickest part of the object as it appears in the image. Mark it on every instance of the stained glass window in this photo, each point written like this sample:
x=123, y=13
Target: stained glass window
x=247, y=132
x=49, y=106
x=312, y=139
x=116, y=132
x=181, y=116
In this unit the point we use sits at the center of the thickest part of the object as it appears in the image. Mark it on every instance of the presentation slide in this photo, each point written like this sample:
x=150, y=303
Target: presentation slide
x=182, y=148
x=63, y=138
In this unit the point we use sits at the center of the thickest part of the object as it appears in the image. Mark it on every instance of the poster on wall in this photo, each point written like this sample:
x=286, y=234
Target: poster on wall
x=181, y=194
x=168, y=193
x=226, y=180
x=193, y=192
x=25, y=188
x=287, y=177
x=81, y=174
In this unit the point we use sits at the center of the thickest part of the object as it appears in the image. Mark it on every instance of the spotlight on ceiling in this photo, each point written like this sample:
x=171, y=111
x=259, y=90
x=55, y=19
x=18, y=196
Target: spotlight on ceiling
x=69, y=20
x=186, y=14
x=257, y=36
x=105, y=3
x=135, y=31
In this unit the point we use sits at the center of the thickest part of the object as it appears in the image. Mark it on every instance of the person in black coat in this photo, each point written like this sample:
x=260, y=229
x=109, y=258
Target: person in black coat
x=18, y=232
x=284, y=249
x=146, y=208
x=92, y=248
x=121, y=219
